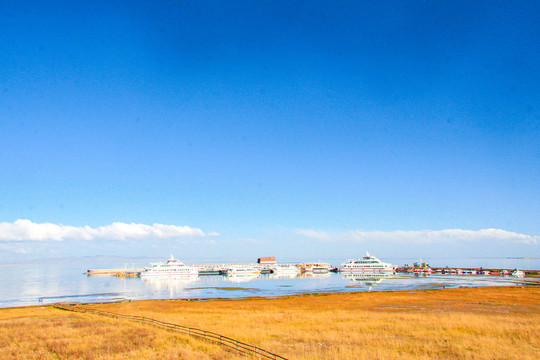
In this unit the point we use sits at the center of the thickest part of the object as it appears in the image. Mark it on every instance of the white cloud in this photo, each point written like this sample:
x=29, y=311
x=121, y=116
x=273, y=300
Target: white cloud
x=26, y=230
x=422, y=236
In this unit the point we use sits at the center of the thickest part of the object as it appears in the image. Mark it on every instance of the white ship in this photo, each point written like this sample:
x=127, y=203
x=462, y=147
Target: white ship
x=367, y=264
x=243, y=270
x=315, y=268
x=173, y=267
x=284, y=269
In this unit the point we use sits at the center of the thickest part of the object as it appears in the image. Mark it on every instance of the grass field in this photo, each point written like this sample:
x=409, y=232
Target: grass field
x=472, y=323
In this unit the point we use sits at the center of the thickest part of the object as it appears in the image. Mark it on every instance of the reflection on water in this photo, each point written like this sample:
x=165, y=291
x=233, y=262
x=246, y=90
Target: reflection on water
x=173, y=285
x=315, y=275
x=367, y=277
x=239, y=278
x=50, y=283
x=278, y=276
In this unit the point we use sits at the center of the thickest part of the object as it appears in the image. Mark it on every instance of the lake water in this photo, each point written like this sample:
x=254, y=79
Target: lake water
x=58, y=281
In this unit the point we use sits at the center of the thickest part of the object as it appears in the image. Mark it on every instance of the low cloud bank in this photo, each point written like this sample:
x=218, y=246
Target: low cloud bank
x=422, y=236
x=26, y=230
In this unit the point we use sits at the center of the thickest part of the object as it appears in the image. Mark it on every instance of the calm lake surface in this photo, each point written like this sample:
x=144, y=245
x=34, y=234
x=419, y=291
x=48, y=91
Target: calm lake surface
x=63, y=280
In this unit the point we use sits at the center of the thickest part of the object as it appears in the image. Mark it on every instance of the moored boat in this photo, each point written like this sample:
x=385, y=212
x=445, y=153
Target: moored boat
x=173, y=267
x=518, y=273
x=242, y=270
x=315, y=268
x=284, y=269
x=367, y=263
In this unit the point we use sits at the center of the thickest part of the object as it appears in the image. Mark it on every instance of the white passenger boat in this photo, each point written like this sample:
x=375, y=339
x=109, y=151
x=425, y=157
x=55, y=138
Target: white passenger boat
x=242, y=270
x=284, y=269
x=518, y=273
x=315, y=268
x=173, y=267
x=368, y=264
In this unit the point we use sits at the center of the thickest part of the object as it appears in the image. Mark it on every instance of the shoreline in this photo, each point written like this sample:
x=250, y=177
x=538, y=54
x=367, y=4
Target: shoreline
x=204, y=288
x=276, y=297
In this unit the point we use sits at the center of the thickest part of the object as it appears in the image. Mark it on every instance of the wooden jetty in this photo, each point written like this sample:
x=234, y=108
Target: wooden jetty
x=128, y=272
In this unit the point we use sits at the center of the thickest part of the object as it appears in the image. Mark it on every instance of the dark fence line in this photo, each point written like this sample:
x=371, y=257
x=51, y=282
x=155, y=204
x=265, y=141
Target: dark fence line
x=223, y=340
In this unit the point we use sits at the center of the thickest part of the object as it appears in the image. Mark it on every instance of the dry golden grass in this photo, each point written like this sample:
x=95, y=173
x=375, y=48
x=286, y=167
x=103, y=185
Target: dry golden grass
x=47, y=333
x=482, y=323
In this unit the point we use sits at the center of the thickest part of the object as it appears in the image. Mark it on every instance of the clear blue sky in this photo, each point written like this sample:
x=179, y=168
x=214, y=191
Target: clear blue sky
x=281, y=125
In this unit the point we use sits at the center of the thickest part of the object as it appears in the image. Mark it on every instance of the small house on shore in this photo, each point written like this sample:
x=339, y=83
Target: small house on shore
x=266, y=260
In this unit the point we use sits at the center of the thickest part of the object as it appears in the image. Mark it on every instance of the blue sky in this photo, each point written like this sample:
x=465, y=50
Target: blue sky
x=270, y=127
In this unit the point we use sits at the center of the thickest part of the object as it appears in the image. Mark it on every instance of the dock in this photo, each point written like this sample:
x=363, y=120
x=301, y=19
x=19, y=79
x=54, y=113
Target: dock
x=204, y=270
x=465, y=270
x=127, y=272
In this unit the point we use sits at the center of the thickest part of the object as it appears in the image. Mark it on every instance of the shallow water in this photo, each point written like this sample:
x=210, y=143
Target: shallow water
x=58, y=282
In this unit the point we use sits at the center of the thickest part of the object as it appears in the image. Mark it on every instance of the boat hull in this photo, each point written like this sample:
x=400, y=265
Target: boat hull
x=366, y=271
x=169, y=273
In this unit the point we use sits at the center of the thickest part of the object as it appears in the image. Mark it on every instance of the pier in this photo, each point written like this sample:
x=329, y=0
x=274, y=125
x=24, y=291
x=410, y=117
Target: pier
x=204, y=269
x=127, y=272
x=464, y=270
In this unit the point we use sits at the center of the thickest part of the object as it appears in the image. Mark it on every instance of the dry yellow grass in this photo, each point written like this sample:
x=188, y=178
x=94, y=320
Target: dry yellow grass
x=482, y=323
x=47, y=333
